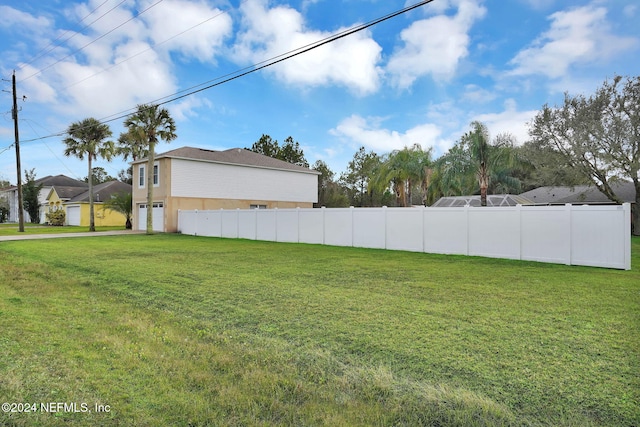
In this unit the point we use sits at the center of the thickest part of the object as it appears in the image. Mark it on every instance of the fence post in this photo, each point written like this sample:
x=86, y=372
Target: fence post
x=384, y=213
x=466, y=210
x=568, y=208
x=626, y=207
x=298, y=210
x=353, y=228
x=519, y=210
x=195, y=231
x=324, y=225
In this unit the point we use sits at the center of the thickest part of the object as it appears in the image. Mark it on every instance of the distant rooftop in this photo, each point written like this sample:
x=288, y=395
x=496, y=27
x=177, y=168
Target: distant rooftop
x=580, y=194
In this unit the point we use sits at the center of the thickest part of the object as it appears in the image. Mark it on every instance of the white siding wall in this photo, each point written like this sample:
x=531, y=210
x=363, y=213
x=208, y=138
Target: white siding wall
x=220, y=181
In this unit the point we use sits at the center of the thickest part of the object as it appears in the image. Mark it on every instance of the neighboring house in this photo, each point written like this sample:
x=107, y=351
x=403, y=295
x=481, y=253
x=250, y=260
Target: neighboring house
x=48, y=182
x=580, y=194
x=75, y=202
x=492, y=200
x=193, y=178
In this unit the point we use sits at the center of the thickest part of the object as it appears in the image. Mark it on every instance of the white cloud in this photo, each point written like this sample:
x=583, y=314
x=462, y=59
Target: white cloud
x=349, y=62
x=19, y=20
x=207, y=28
x=579, y=35
x=508, y=121
x=478, y=95
x=434, y=45
x=359, y=131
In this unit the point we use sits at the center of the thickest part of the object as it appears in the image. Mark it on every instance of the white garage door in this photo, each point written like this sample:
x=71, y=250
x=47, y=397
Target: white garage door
x=73, y=215
x=158, y=216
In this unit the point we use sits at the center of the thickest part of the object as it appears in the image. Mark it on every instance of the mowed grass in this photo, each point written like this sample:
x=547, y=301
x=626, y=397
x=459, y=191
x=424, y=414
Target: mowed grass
x=194, y=331
x=12, y=229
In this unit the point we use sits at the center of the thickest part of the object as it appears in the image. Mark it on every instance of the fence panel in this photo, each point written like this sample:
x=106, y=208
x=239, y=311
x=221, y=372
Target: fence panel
x=404, y=229
x=266, y=225
x=209, y=223
x=311, y=224
x=247, y=224
x=338, y=227
x=187, y=222
x=445, y=231
x=369, y=228
x=494, y=232
x=287, y=225
x=580, y=235
x=546, y=234
x=596, y=232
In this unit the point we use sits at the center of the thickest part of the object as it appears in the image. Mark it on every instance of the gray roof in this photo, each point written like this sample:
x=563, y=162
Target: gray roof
x=580, y=194
x=60, y=180
x=65, y=193
x=234, y=156
x=492, y=200
x=102, y=192
x=56, y=181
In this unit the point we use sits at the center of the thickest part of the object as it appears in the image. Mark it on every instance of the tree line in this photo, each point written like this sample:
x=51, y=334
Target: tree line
x=587, y=140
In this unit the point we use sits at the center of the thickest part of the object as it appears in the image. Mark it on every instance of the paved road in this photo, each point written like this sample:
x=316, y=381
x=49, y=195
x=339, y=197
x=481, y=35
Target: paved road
x=58, y=235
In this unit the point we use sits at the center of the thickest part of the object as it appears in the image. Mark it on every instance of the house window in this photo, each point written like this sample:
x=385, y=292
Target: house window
x=258, y=207
x=156, y=175
x=141, y=173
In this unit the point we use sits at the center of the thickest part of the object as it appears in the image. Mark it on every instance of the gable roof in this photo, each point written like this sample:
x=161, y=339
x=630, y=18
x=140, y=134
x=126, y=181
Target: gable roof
x=66, y=193
x=580, y=194
x=233, y=156
x=55, y=181
x=102, y=192
x=60, y=181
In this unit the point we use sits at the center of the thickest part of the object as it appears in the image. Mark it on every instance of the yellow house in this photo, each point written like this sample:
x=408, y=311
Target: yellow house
x=75, y=202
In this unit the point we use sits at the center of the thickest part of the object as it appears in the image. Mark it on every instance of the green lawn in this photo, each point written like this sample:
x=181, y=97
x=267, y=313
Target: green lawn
x=193, y=331
x=12, y=229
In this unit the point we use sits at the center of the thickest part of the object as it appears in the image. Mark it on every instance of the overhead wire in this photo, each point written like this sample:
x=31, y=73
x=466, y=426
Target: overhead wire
x=254, y=67
x=150, y=48
x=46, y=49
x=93, y=41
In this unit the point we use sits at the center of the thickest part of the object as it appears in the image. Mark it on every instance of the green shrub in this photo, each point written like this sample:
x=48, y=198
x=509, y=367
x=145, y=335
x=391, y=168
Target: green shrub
x=56, y=218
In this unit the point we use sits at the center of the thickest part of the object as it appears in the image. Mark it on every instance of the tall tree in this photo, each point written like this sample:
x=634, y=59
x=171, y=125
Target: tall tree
x=289, y=152
x=30, y=193
x=155, y=124
x=475, y=160
x=405, y=170
x=357, y=176
x=330, y=193
x=598, y=135
x=99, y=175
x=88, y=138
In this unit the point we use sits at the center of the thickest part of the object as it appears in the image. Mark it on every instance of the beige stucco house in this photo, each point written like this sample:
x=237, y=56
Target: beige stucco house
x=194, y=178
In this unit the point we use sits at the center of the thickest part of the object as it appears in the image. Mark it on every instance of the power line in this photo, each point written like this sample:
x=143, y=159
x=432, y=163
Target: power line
x=46, y=49
x=93, y=41
x=255, y=67
x=149, y=48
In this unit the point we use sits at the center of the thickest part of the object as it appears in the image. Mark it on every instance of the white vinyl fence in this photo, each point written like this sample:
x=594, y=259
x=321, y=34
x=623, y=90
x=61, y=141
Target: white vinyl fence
x=597, y=236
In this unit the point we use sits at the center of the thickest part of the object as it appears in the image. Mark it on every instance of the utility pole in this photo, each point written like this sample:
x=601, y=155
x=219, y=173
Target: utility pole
x=18, y=166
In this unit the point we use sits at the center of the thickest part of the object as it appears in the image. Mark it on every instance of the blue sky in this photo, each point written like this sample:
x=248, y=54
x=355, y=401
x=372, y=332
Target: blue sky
x=421, y=77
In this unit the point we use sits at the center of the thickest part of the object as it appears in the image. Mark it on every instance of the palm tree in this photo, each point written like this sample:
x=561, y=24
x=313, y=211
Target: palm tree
x=146, y=127
x=121, y=202
x=403, y=170
x=474, y=160
x=87, y=138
